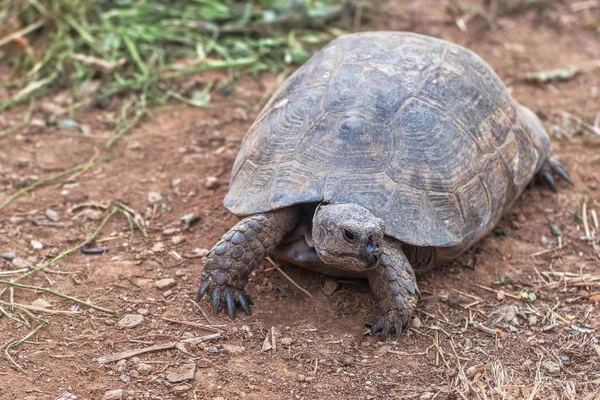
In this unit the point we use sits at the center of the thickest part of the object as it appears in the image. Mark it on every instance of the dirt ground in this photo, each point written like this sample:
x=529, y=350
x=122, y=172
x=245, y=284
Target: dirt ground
x=467, y=341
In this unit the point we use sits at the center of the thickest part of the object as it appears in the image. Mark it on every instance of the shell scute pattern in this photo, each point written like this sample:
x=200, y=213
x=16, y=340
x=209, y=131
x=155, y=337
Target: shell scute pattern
x=420, y=131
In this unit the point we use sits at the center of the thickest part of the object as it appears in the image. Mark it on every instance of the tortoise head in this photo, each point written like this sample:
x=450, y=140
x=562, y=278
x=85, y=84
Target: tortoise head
x=347, y=235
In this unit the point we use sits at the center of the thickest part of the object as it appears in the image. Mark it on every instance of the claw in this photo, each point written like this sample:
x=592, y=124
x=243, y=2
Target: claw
x=563, y=173
x=385, y=330
x=202, y=291
x=244, y=300
x=398, y=326
x=376, y=327
x=216, y=300
x=231, y=308
x=550, y=181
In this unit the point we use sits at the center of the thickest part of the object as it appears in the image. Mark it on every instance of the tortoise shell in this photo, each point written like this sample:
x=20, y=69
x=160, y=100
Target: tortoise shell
x=418, y=130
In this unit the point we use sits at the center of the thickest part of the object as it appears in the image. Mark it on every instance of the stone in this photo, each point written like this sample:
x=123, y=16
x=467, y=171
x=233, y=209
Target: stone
x=551, y=367
x=130, y=321
x=41, y=303
x=182, y=373
x=37, y=245
x=145, y=369
x=154, y=197
x=10, y=256
x=330, y=286
x=20, y=263
x=52, y=215
x=348, y=360
x=113, y=394
x=416, y=322
x=287, y=341
x=165, y=283
x=201, y=252
x=158, y=247
x=177, y=239
x=212, y=182
x=233, y=349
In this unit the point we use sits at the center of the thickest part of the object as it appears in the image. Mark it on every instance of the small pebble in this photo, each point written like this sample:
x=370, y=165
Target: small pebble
x=142, y=311
x=287, y=341
x=113, y=394
x=20, y=263
x=551, y=367
x=37, y=245
x=182, y=373
x=145, y=369
x=167, y=293
x=158, y=247
x=67, y=396
x=165, y=283
x=532, y=320
x=233, y=349
x=41, y=303
x=15, y=220
x=52, y=215
x=177, y=240
x=330, y=286
x=125, y=378
x=154, y=197
x=212, y=182
x=348, y=360
x=416, y=322
x=201, y=252
x=130, y=321
x=301, y=378
x=9, y=256
x=212, y=350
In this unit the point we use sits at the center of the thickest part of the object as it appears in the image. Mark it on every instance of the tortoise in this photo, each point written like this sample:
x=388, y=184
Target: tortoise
x=383, y=156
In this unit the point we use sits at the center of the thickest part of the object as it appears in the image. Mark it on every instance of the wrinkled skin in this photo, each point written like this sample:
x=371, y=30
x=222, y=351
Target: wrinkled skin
x=345, y=236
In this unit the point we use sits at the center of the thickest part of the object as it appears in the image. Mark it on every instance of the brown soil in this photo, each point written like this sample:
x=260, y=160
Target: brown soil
x=329, y=347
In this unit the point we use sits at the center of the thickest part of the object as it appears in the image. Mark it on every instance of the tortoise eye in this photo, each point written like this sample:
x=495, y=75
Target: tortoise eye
x=348, y=236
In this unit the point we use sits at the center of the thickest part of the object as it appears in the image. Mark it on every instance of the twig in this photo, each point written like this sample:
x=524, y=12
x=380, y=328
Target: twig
x=584, y=5
x=15, y=272
x=586, y=227
x=44, y=182
x=512, y=296
x=58, y=294
x=157, y=347
x=41, y=309
x=288, y=278
x=67, y=252
x=22, y=32
x=483, y=328
x=19, y=342
x=212, y=328
x=199, y=307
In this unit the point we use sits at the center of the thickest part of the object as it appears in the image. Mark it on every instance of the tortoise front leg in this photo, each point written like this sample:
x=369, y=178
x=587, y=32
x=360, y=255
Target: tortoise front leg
x=394, y=286
x=238, y=253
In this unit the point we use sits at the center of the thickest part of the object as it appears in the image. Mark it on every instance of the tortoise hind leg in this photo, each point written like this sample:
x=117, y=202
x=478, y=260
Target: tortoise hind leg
x=554, y=165
x=394, y=286
x=238, y=253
